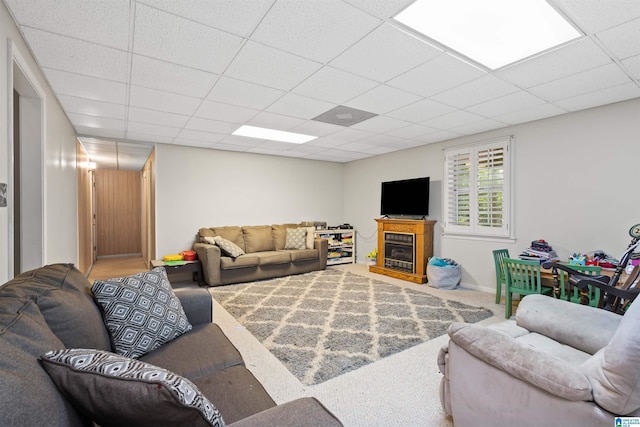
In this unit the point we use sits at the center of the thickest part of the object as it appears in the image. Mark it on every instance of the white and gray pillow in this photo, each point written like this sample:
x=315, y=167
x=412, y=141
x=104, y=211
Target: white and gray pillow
x=115, y=390
x=141, y=311
x=296, y=238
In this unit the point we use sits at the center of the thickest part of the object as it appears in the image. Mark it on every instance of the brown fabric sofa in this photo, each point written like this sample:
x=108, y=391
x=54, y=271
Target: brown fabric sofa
x=265, y=254
x=51, y=308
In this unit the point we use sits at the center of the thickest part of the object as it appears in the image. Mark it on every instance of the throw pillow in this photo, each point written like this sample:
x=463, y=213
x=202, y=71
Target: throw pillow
x=311, y=236
x=141, y=311
x=296, y=238
x=116, y=390
x=226, y=246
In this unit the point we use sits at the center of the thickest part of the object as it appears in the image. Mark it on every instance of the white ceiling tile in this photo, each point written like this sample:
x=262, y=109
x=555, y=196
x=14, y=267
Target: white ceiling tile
x=134, y=148
x=440, y=136
x=193, y=143
x=104, y=132
x=382, y=140
x=197, y=135
x=581, y=83
x=299, y=106
x=380, y=124
x=72, y=104
x=333, y=85
x=412, y=131
x=148, y=129
x=474, y=92
x=236, y=17
x=187, y=43
x=350, y=134
x=633, y=66
x=77, y=56
x=326, y=142
x=71, y=84
x=450, y=120
x=382, y=9
x=224, y=112
x=600, y=97
x=312, y=127
x=320, y=32
x=97, y=21
x=573, y=58
x=382, y=99
x=505, y=104
x=215, y=126
x=97, y=145
x=597, y=15
x=86, y=121
x=623, y=40
x=477, y=127
x=141, y=136
x=270, y=67
x=421, y=110
x=358, y=146
x=275, y=121
x=161, y=75
x=162, y=101
x=438, y=74
x=242, y=141
x=385, y=53
x=530, y=114
x=245, y=94
x=157, y=117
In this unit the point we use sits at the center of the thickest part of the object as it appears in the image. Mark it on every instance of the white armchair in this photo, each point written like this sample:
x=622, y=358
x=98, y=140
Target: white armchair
x=557, y=363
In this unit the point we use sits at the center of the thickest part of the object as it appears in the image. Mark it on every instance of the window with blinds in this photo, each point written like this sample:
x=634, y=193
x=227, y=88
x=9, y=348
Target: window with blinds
x=476, y=194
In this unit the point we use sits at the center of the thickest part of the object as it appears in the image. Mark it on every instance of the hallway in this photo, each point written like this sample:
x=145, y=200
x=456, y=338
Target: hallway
x=107, y=268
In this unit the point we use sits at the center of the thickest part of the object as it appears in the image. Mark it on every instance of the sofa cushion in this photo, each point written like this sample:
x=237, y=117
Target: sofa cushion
x=117, y=390
x=62, y=294
x=223, y=388
x=613, y=371
x=232, y=233
x=209, y=350
x=205, y=232
x=244, y=261
x=258, y=238
x=274, y=257
x=227, y=247
x=304, y=255
x=279, y=232
x=141, y=311
x=29, y=397
x=296, y=238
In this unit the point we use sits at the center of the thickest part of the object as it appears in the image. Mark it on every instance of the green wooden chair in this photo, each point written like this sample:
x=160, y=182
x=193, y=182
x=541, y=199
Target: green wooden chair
x=501, y=275
x=573, y=292
x=523, y=278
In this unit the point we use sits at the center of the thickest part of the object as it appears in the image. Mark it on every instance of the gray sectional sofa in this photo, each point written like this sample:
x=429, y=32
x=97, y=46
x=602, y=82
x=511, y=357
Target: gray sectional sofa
x=52, y=308
x=263, y=253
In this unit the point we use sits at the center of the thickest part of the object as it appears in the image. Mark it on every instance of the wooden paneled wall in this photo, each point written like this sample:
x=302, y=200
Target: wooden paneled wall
x=119, y=212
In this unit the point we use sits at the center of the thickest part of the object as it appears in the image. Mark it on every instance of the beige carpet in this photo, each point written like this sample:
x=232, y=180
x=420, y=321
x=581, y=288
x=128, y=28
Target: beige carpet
x=401, y=389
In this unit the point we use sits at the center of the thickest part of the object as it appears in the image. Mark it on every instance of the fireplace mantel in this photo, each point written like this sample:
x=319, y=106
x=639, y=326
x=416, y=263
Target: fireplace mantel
x=413, y=240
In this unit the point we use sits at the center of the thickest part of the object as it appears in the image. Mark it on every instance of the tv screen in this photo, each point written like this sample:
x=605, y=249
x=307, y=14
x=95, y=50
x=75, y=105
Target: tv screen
x=405, y=197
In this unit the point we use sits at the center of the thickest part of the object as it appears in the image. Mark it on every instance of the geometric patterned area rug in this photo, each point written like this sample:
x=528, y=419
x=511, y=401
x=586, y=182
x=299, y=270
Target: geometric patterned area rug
x=326, y=323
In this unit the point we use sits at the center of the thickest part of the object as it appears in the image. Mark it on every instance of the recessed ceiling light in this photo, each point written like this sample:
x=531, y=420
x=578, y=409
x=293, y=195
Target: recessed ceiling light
x=273, y=135
x=491, y=32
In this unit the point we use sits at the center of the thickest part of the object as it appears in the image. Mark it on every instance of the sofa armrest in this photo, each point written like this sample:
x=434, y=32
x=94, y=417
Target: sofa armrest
x=306, y=411
x=209, y=256
x=579, y=326
x=197, y=304
x=521, y=361
x=323, y=247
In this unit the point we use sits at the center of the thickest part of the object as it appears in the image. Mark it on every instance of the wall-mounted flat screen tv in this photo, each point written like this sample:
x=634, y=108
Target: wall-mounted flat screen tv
x=408, y=197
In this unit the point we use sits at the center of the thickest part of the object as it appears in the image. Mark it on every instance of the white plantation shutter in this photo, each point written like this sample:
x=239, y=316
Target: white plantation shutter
x=476, y=196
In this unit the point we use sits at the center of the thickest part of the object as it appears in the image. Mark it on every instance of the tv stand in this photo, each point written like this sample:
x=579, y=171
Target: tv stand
x=404, y=247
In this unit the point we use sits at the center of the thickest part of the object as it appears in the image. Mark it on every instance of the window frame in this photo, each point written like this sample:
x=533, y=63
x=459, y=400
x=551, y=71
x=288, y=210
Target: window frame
x=471, y=152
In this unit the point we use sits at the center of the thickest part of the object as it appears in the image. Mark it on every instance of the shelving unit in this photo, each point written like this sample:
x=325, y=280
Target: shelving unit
x=342, y=245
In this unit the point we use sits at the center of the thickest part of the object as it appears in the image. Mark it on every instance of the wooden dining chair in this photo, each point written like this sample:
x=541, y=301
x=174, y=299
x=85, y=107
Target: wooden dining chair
x=523, y=278
x=501, y=275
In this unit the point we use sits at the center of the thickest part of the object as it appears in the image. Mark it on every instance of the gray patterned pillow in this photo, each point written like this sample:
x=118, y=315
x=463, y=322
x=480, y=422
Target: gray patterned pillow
x=296, y=238
x=116, y=390
x=141, y=311
x=226, y=246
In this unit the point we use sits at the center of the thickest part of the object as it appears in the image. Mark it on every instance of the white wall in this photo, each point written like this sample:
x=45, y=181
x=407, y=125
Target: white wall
x=199, y=187
x=575, y=181
x=60, y=200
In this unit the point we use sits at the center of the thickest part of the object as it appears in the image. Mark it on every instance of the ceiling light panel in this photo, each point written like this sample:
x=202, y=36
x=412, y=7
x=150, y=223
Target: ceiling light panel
x=492, y=32
x=273, y=135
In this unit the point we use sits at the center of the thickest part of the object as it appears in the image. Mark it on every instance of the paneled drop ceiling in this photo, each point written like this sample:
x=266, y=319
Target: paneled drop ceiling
x=131, y=73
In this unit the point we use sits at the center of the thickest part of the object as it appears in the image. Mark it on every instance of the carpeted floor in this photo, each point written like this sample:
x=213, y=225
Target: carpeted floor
x=400, y=389
x=327, y=323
